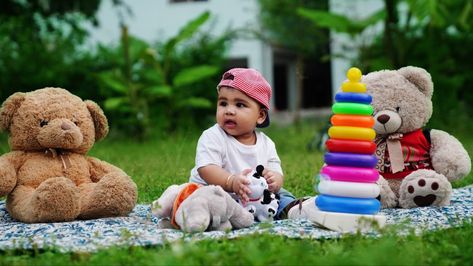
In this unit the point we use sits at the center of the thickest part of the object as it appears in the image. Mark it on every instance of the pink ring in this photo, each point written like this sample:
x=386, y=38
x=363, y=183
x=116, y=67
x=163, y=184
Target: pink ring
x=350, y=174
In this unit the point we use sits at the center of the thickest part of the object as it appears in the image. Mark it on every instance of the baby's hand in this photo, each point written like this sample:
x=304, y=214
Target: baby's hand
x=240, y=185
x=274, y=180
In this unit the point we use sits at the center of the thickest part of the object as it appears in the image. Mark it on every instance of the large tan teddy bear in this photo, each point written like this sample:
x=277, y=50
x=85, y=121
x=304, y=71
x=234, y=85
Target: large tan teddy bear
x=47, y=176
x=417, y=164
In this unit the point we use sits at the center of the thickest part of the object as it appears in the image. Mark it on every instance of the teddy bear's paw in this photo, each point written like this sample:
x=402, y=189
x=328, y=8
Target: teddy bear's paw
x=7, y=177
x=113, y=195
x=386, y=195
x=56, y=199
x=424, y=188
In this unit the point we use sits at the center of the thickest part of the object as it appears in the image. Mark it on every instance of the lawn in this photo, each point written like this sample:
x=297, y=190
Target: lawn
x=163, y=161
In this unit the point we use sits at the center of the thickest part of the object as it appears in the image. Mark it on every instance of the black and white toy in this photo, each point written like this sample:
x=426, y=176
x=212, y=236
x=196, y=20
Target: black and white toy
x=263, y=204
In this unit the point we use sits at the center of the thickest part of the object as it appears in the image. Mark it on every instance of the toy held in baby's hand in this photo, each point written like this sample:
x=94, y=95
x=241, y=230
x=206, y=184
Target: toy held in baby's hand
x=263, y=204
x=196, y=208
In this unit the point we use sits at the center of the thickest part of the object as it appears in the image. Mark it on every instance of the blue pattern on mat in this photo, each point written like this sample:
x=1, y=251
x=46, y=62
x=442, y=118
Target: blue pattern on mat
x=140, y=228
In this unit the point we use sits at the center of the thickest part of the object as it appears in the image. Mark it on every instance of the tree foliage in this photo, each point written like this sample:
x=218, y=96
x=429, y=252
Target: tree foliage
x=39, y=45
x=432, y=34
x=163, y=85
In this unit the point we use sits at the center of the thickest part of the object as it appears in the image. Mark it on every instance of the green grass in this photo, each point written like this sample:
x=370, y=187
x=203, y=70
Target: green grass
x=158, y=163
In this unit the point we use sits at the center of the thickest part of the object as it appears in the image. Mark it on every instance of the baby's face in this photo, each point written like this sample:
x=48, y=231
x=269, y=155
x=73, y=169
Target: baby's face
x=237, y=113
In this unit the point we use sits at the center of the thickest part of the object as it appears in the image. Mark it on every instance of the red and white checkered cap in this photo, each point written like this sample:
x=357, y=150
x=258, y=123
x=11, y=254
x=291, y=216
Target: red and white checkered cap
x=248, y=81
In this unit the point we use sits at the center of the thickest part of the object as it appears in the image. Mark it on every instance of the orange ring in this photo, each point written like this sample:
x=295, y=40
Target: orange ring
x=352, y=120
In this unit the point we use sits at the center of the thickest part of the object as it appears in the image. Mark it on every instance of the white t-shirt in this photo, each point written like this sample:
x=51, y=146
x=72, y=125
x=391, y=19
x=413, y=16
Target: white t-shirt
x=216, y=147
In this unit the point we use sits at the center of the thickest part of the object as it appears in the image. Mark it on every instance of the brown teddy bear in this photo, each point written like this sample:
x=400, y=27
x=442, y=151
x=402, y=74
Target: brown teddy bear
x=47, y=176
x=417, y=164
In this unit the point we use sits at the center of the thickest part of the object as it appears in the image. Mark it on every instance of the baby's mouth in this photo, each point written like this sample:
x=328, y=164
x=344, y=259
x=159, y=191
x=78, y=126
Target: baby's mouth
x=230, y=124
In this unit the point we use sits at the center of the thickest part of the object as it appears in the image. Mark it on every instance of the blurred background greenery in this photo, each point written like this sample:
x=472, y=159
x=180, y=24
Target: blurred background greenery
x=149, y=88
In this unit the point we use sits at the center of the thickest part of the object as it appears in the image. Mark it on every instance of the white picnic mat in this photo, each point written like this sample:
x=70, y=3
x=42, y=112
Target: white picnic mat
x=140, y=228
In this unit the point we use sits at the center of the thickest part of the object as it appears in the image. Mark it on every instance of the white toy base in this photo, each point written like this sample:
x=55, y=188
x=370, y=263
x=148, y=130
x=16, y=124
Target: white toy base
x=336, y=221
x=347, y=222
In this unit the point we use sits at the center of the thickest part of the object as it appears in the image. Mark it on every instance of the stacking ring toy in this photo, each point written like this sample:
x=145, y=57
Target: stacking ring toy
x=354, y=133
x=349, y=174
x=351, y=97
x=354, y=74
x=348, y=189
x=353, y=86
x=350, y=159
x=347, y=205
x=352, y=120
x=352, y=109
x=346, y=145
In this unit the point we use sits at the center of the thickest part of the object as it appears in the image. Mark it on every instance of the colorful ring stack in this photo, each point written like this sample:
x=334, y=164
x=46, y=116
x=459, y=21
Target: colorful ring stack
x=348, y=180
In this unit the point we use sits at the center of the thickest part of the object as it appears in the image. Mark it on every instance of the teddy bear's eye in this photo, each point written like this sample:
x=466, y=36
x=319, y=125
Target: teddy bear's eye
x=43, y=123
x=398, y=108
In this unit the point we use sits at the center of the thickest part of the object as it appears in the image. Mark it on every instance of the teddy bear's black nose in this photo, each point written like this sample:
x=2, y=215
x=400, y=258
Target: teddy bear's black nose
x=383, y=119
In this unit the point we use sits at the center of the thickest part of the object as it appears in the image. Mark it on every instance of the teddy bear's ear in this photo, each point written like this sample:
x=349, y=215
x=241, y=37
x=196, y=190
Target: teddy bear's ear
x=9, y=108
x=100, y=120
x=420, y=78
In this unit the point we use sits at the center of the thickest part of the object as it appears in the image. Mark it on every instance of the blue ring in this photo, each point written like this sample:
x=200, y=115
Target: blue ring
x=353, y=97
x=347, y=205
x=350, y=159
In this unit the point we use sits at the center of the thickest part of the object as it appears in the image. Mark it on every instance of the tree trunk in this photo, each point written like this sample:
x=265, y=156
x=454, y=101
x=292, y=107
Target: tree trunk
x=299, y=88
x=390, y=28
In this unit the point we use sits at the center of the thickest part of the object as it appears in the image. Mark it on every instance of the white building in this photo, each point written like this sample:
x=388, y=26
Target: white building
x=161, y=19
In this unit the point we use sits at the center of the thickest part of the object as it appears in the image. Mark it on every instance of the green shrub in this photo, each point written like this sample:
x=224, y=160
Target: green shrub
x=168, y=85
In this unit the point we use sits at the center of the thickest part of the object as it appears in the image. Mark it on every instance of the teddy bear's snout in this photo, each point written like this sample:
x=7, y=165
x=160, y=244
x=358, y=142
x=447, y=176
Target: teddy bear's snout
x=65, y=126
x=383, y=119
x=387, y=122
x=60, y=133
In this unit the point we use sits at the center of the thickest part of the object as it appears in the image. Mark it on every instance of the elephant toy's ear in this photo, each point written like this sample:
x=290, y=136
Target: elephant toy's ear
x=9, y=108
x=99, y=118
x=420, y=78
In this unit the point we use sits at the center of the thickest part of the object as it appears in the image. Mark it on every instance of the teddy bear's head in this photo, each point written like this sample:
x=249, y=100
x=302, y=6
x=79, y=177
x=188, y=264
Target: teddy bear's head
x=402, y=99
x=52, y=118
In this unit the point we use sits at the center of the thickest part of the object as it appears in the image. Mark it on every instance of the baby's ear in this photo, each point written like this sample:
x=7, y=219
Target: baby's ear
x=99, y=118
x=9, y=108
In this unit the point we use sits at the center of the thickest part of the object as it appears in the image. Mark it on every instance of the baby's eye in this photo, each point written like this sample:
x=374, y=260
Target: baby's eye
x=43, y=123
x=222, y=103
x=240, y=105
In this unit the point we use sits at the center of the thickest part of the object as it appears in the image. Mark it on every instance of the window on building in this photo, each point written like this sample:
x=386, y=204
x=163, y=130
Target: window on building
x=236, y=62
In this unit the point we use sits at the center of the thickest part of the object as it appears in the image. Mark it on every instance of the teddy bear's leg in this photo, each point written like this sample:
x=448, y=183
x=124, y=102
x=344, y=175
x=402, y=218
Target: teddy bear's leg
x=162, y=207
x=194, y=215
x=225, y=226
x=387, y=196
x=113, y=195
x=424, y=188
x=56, y=199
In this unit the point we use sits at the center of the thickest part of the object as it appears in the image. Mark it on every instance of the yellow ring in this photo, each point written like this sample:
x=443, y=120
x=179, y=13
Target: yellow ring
x=355, y=133
x=350, y=86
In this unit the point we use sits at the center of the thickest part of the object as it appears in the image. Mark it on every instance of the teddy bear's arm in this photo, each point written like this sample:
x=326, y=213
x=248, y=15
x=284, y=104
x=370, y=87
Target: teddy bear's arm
x=448, y=155
x=99, y=168
x=9, y=165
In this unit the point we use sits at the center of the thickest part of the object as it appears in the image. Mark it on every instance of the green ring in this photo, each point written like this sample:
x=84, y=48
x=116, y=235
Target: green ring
x=352, y=109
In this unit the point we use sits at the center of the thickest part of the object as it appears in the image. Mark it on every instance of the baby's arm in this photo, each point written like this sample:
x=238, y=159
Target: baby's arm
x=237, y=183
